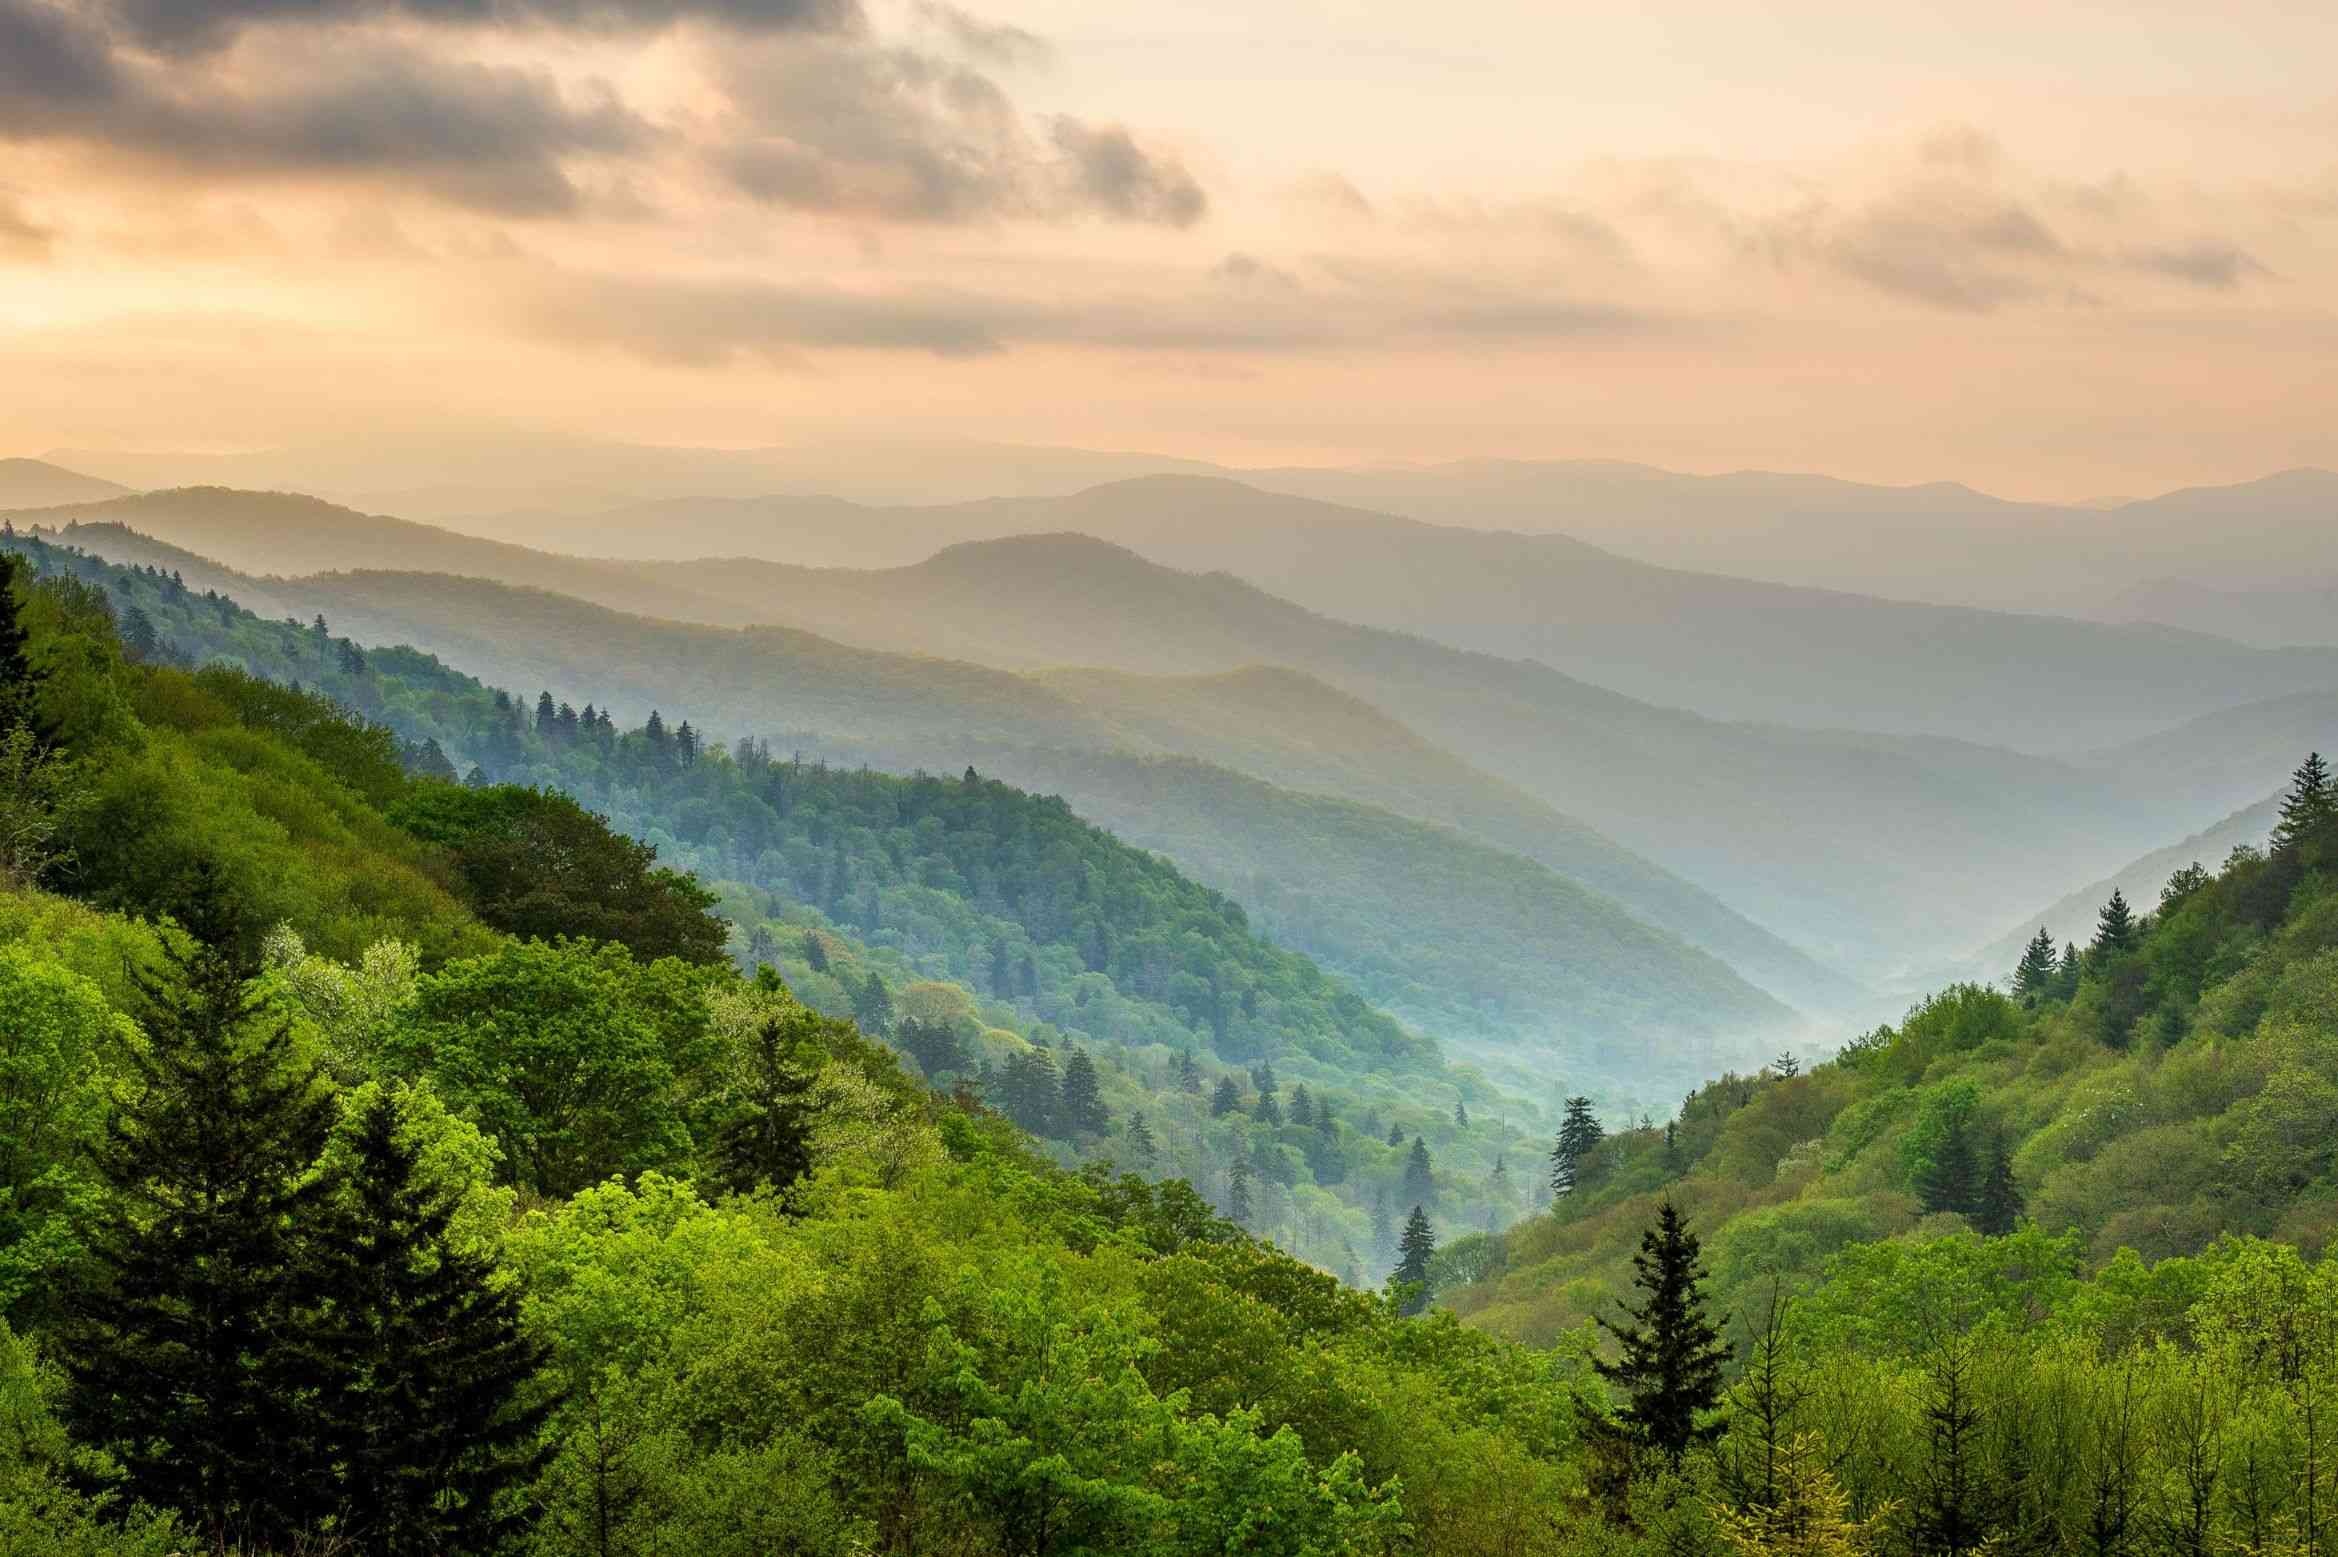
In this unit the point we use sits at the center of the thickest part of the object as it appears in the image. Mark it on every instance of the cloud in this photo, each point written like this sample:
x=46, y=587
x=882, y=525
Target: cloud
x=22, y=240
x=182, y=27
x=1112, y=174
x=2206, y=262
x=50, y=58
x=996, y=44
x=853, y=127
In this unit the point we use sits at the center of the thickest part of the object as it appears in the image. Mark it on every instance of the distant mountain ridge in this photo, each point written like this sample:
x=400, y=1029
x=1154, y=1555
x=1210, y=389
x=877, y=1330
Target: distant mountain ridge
x=39, y=484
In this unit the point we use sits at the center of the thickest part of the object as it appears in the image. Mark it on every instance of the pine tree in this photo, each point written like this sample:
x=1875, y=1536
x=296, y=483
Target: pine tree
x=1302, y=1106
x=175, y=1350
x=1951, y=1179
x=2308, y=806
x=1082, y=1109
x=872, y=1005
x=20, y=679
x=767, y=1137
x=1579, y=1132
x=547, y=716
x=2114, y=927
x=423, y=1411
x=1460, y=1115
x=1395, y=1134
x=1238, y=1193
x=1141, y=1144
x=1031, y=1093
x=1188, y=1073
x=1227, y=1099
x=2000, y=1206
x=1420, y=1185
x=1672, y=1356
x=1415, y=1250
x=1269, y=1112
x=2039, y=971
x=139, y=639
x=1948, y=1517
x=1788, y=1065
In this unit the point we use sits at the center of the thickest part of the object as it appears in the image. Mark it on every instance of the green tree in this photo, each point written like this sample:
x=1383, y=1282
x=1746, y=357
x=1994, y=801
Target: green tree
x=20, y=676
x=2000, y=1205
x=2114, y=927
x=1420, y=1181
x=1083, y=1111
x=1950, y=1177
x=1579, y=1132
x=425, y=1409
x=768, y=1115
x=1671, y=1355
x=872, y=1005
x=1415, y=1250
x=175, y=1348
x=1238, y=1193
x=2039, y=972
x=1227, y=1099
x=60, y=1046
x=2308, y=806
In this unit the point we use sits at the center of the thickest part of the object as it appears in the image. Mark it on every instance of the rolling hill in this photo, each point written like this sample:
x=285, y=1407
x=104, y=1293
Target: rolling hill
x=39, y=484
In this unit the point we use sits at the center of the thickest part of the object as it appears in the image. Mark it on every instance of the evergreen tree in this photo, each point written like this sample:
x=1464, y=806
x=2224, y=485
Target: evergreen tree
x=2114, y=927
x=1579, y=1132
x=872, y=1005
x=1188, y=1073
x=1460, y=1115
x=1238, y=1193
x=421, y=1372
x=1141, y=1144
x=139, y=639
x=2038, y=973
x=1414, y=1250
x=175, y=1349
x=1420, y=1185
x=1302, y=1106
x=2181, y=886
x=1672, y=1356
x=20, y=679
x=2072, y=967
x=547, y=716
x=2308, y=806
x=1269, y=1112
x=934, y=1045
x=1948, y=1514
x=1999, y=1208
x=767, y=1137
x=1395, y=1134
x=1951, y=1179
x=815, y=952
x=1030, y=1091
x=1788, y=1065
x=1227, y=1099
x=1083, y=1110
x=352, y=659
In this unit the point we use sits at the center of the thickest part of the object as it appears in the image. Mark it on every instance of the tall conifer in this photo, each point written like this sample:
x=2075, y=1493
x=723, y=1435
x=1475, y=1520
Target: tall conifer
x=1672, y=1355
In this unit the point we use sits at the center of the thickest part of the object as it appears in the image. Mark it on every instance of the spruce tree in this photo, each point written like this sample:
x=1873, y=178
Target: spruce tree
x=2308, y=806
x=175, y=1347
x=1948, y=1517
x=1460, y=1115
x=872, y=1005
x=20, y=679
x=2039, y=971
x=1227, y=1099
x=1083, y=1110
x=1951, y=1179
x=1269, y=1112
x=1395, y=1134
x=1141, y=1144
x=766, y=1138
x=1188, y=1073
x=1238, y=1193
x=1420, y=1184
x=1414, y=1251
x=1579, y=1132
x=2114, y=927
x=2000, y=1206
x=1302, y=1106
x=1031, y=1092
x=1672, y=1355
x=423, y=1407
x=1788, y=1065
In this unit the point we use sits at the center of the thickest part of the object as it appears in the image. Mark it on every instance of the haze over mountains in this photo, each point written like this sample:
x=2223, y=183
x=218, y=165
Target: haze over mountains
x=1820, y=789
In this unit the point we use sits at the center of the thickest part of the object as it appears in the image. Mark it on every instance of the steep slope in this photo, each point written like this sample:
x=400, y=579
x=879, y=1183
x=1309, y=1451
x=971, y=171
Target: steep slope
x=39, y=484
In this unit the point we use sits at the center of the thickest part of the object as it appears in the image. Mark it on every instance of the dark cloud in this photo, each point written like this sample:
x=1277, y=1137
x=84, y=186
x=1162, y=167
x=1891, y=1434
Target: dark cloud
x=2206, y=262
x=1948, y=244
x=197, y=26
x=488, y=137
x=857, y=128
x=1113, y=175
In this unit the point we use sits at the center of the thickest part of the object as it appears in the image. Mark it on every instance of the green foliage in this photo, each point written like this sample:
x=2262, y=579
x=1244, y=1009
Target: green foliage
x=59, y=1042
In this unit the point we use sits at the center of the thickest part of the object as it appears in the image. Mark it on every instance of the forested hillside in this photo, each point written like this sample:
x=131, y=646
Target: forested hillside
x=2165, y=1088
x=1000, y=940
x=902, y=714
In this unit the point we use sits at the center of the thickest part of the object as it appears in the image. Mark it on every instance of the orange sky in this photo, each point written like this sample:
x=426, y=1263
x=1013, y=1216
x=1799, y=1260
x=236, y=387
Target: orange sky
x=2053, y=250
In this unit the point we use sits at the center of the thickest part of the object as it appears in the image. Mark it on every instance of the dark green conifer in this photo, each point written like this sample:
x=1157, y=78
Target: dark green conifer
x=1414, y=1250
x=1238, y=1193
x=1268, y=1111
x=1579, y=1132
x=20, y=679
x=1141, y=1144
x=1420, y=1184
x=1302, y=1106
x=1951, y=1179
x=1083, y=1110
x=1188, y=1073
x=423, y=1407
x=2039, y=972
x=766, y=1137
x=2000, y=1205
x=175, y=1348
x=2114, y=927
x=2309, y=805
x=1671, y=1354
x=1227, y=1099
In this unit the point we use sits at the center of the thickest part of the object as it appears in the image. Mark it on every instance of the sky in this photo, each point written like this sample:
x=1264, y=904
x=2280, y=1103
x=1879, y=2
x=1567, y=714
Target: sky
x=2053, y=250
